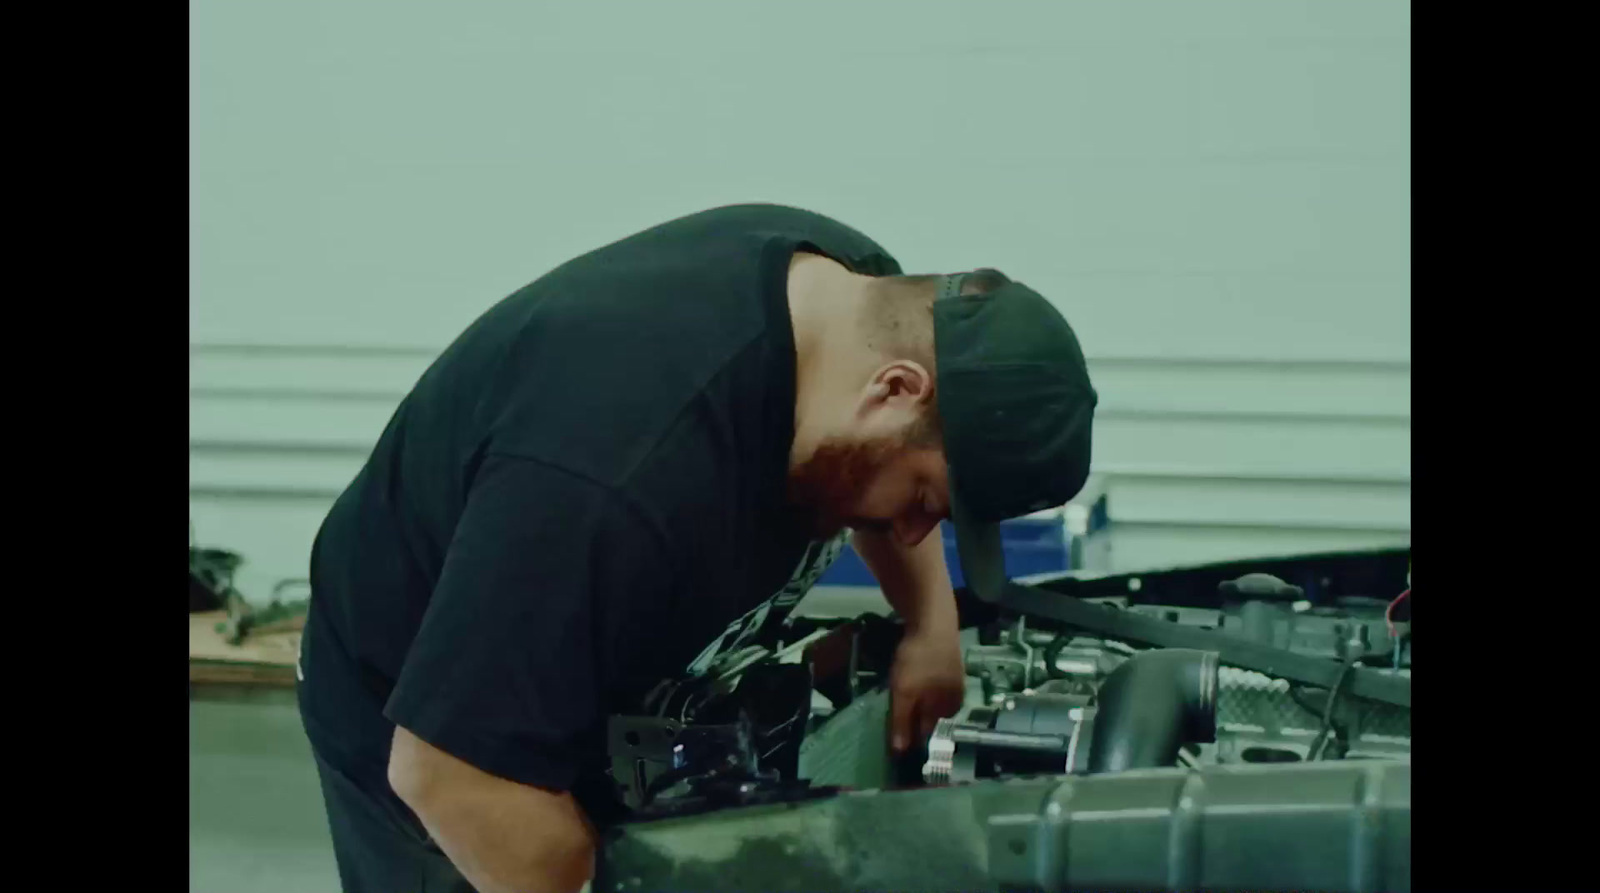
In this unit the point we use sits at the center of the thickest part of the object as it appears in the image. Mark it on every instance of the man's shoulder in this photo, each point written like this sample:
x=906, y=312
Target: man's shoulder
x=832, y=235
x=747, y=227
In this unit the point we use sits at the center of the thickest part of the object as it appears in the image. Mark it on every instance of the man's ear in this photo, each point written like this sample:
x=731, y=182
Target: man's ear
x=903, y=383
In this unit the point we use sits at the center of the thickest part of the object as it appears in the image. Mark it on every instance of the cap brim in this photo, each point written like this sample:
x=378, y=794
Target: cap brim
x=983, y=562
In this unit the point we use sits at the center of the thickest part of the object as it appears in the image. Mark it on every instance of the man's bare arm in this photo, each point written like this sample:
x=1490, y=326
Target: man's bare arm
x=927, y=681
x=915, y=580
x=503, y=836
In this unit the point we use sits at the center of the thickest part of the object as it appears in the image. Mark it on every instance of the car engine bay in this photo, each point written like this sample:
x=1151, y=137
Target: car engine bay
x=1232, y=726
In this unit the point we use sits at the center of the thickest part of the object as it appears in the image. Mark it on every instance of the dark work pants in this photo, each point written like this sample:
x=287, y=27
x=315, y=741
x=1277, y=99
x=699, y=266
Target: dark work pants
x=379, y=844
x=376, y=853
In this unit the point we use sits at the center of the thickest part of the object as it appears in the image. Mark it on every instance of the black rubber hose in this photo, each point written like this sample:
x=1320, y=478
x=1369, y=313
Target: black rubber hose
x=1318, y=743
x=1153, y=704
x=1052, y=652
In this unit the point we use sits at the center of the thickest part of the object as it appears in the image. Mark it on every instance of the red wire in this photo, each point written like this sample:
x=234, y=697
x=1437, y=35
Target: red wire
x=1389, y=611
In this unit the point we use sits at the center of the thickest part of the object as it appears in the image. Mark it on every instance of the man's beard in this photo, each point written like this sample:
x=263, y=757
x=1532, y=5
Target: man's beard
x=826, y=486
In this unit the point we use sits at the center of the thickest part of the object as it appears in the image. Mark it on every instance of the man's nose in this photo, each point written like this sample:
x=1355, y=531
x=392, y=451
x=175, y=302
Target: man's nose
x=911, y=531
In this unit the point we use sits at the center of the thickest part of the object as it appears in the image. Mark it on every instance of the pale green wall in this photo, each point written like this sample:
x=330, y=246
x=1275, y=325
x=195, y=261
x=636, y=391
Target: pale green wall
x=1216, y=193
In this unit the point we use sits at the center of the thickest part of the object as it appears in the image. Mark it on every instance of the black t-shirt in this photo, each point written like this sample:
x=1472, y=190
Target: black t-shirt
x=581, y=497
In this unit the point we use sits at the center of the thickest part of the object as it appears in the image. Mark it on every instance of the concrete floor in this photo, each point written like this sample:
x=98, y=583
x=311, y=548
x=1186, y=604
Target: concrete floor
x=255, y=809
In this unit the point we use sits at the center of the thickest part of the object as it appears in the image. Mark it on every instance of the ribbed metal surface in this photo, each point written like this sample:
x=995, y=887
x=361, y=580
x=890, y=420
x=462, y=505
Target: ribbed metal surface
x=1334, y=826
x=1250, y=699
x=850, y=749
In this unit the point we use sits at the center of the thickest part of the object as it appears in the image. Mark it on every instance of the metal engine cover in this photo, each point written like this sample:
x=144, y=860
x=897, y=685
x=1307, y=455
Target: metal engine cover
x=1335, y=826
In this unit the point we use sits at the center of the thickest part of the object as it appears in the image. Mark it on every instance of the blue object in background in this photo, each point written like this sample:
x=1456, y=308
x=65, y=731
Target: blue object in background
x=1032, y=546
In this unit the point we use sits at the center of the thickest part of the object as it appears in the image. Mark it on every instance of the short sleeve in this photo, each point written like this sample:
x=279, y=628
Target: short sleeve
x=510, y=668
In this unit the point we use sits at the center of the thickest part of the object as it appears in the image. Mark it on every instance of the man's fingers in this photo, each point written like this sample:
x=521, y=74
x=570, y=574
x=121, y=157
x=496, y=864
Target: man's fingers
x=901, y=710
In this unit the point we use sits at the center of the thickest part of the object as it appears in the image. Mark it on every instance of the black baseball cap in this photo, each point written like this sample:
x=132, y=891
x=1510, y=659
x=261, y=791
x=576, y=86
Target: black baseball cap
x=1017, y=410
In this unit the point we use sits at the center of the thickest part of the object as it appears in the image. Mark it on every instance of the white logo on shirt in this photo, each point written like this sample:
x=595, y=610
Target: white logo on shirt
x=818, y=557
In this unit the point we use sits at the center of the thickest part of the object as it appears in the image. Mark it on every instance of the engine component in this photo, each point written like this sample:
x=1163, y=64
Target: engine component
x=1262, y=719
x=745, y=741
x=1259, y=717
x=1146, y=709
x=852, y=658
x=1335, y=826
x=1261, y=586
x=851, y=749
x=1070, y=699
x=1028, y=734
x=1024, y=660
x=664, y=769
x=1065, y=610
x=1154, y=703
x=1353, y=627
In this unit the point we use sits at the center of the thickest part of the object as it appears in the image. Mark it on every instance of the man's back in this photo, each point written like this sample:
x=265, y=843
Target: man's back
x=573, y=500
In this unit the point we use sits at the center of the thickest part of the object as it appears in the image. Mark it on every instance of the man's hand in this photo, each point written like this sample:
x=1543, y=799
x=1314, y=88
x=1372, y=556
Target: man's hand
x=926, y=684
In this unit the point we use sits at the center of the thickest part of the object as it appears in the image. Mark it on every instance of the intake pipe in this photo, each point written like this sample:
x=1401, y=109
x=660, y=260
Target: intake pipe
x=1150, y=706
